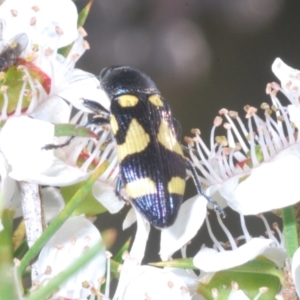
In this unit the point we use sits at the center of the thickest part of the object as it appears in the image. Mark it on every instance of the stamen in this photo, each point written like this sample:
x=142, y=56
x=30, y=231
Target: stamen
x=244, y=228
x=14, y=12
x=262, y=291
x=215, y=294
x=235, y=129
x=228, y=234
x=280, y=234
x=269, y=231
x=35, y=8
x=217, y=244
x=234, y=286
x=254, y=160
x=5, y=104
x=107, y=289
x=32, y=21
x=86, y=45
x=18, y=110
x=82, y=31
x=58, y=30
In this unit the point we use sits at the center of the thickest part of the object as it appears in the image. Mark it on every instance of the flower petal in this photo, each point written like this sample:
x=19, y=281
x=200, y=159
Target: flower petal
x=210, y=260
x=270, y=186
x=155, y=284
x=21, y=141
x=106, y=195
x=10, y=198
x=276, y=255
x=237, y=295
x=284, y=72
x=54, y=110
x=28, y=160
x=81, y=85
x=48, y=15
x=53, y=202
x=296, y=270
x=141, y=237
x=129, y=219
x=63, y=249
x=190, y=217
x=294, y=113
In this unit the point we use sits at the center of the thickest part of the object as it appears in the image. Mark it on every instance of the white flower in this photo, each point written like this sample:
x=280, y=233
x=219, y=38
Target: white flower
x=154, y=283
x=221, y=257
x=53, y=202
x=9, y=194
x=190, y=218
x=68, y=244
x=254, y=169
x=39, y=18
x=290, y=87
x=64, y=166
x=227, y=255
x=296, y=271
x=43, y=76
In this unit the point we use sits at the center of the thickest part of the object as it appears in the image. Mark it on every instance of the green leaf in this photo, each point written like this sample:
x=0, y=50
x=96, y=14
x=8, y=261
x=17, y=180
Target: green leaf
x=260, y=266
x=290, y=230
x=118, y=257
x=6, y=268
x=180, y=263
x=73, y=130
x=21, y=250
x=82, y=16
x=89, y=205
x=114, y=268
x=250, y=277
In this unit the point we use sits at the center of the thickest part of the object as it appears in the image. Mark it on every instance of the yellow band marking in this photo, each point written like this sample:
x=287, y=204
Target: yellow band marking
x=114, y=124
x=156, y=100
x=128, y=100
x=136, y=140
x=176, y=185
x=166, y=137
x=140, y=188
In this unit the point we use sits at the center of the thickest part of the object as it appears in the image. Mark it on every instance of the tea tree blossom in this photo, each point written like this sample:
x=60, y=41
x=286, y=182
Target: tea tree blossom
x=154, y=283
x=261, y=156
x=226, y=255
x=43, y=75
x=70, y=241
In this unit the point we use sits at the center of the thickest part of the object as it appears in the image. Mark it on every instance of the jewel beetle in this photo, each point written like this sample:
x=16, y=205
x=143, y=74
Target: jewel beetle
x=151, y=160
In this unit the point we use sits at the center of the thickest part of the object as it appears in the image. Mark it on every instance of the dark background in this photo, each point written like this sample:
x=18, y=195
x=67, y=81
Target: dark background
x=203, y=54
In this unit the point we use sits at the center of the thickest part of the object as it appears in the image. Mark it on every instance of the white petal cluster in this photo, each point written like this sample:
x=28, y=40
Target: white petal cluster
x=71, y=241
x=254, y=168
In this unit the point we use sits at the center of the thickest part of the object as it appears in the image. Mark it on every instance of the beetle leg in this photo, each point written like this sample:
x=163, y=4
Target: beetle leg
x=178, y=129
x=95, y=120
x=200, y=189
x=119, y=185
x=95, y=106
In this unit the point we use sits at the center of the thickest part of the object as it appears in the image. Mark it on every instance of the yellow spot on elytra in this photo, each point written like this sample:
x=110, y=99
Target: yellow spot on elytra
x=156, y=100
x=140, y=188
x=136, y=140
x=114, y=124
x=166, y=137
x=176, y=185
x=128, y=100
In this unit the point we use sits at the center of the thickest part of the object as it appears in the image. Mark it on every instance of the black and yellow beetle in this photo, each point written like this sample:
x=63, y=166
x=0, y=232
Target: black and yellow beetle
x=151, y=160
